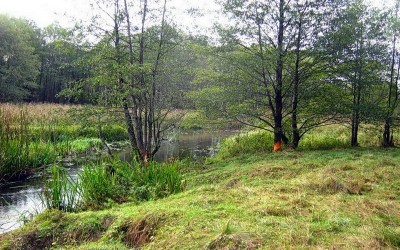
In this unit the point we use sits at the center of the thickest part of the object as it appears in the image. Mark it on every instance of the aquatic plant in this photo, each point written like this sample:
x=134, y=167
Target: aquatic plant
x=61, y=192
x=120, y=181
x=33, y=135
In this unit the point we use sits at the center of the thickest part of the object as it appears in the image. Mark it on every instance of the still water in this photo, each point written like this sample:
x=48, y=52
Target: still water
x=21, y=200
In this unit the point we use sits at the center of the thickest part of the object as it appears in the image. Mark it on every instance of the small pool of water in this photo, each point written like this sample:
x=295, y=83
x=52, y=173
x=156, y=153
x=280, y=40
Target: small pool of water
x=20, y=201
x=192, y=144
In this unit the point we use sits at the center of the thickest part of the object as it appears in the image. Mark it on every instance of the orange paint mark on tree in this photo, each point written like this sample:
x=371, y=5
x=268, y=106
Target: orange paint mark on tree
x=146, y=159
x=277, y=146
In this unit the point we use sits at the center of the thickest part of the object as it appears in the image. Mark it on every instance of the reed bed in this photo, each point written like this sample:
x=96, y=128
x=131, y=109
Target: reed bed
x=34, y=135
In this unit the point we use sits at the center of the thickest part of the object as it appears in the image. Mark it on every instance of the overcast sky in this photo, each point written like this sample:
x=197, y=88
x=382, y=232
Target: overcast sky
x=45, y=12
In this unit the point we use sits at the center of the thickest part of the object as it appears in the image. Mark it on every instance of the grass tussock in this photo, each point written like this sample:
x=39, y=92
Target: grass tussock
x=102, y=185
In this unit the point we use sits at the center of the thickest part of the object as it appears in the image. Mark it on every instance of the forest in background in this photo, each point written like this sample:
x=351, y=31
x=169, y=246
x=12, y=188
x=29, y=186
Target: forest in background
x=285, y=67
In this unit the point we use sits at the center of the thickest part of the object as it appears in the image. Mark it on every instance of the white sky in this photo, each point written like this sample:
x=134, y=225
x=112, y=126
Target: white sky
x=45, y=12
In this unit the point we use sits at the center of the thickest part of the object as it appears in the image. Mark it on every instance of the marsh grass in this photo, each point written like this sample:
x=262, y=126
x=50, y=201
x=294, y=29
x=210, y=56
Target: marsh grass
x=34, y=135
x=160, y=180
x=61, y=192
x=245, y=143
x=102, y=184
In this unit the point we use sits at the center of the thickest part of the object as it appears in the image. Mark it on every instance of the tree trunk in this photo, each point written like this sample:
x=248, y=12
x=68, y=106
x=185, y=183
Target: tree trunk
x=387, y=136
x=355, y=120
x=278, y=129
x=296, y=83
x=391, y=105
x=354, y=128
x=355, y=123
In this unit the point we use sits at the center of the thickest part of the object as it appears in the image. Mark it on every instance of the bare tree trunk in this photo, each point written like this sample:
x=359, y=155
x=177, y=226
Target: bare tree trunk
x=355, y=120
x=357, y=91
x=296, y=83
x=387, y=135
x=391, y=105
x=154, y=133
x=128, y=117
x=146, y=131
x=264, y=74
x=278, y=129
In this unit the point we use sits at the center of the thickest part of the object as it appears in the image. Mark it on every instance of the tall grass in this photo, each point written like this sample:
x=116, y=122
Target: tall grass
x=323, y=138
x=120, y=181
x=33, y=135
x=157, y=180
x=98, y=186
x=246, y=143
x=61, y=192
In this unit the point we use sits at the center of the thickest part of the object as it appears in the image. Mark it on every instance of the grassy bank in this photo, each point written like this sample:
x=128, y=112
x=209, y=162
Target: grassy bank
x=196, y=120
x=341, y=199
x=34, y=135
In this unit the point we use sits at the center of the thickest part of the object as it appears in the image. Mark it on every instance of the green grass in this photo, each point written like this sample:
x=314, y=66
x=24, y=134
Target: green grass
x=22, y=159
x=104, y=184
x=34, y=135
x=323, y=138
x=343, y=198
x=60, y=192
x=195, y=120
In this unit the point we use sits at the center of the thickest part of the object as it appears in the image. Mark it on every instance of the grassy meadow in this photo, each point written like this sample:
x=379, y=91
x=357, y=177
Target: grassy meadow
x=322, y=196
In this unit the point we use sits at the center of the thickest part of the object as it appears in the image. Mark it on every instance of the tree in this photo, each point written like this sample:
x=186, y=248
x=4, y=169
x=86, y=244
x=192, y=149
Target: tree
x=392, y=82
x=356, y=53
x=127, y=71
x=59, y=54
x=19, y=61
x=278, y=71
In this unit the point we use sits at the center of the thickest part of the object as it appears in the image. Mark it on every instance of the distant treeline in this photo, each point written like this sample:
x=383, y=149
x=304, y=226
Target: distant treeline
x=35, y=64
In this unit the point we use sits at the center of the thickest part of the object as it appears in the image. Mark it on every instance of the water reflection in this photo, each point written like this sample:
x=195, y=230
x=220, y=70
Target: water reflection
x=18, y=203
x=194, y=144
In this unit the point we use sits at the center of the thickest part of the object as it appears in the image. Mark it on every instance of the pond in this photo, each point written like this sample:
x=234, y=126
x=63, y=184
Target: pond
x=20, y=201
